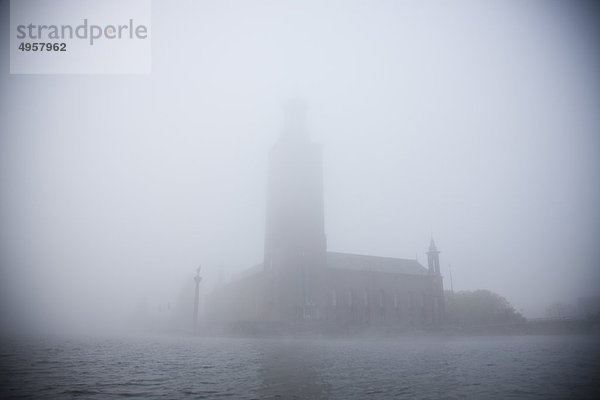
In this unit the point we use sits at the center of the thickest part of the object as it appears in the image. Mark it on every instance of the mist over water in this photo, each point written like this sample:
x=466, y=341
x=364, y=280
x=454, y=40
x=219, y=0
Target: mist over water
x=474, y=123
x=477, y=123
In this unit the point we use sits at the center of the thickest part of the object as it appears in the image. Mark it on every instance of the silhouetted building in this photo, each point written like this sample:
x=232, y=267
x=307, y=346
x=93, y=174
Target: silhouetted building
x=299, y=282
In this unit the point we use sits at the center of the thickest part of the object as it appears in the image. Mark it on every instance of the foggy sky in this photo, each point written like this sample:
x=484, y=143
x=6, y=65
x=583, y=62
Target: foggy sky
x=475, y=122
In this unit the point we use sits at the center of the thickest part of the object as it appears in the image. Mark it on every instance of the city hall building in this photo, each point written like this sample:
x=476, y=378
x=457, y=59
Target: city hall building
x=300, y=284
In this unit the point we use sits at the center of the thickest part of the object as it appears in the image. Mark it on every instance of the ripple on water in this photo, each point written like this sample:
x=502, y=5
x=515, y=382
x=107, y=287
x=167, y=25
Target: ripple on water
x=511, y=367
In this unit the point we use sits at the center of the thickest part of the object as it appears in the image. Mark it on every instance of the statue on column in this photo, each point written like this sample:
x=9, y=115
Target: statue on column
x=197, y=279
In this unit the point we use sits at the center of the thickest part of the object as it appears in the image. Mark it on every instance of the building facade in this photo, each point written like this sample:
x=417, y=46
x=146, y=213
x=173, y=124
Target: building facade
x=299, y=283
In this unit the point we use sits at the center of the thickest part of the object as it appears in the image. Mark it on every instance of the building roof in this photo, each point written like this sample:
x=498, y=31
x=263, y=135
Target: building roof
x=255, y=269
x=358, y=262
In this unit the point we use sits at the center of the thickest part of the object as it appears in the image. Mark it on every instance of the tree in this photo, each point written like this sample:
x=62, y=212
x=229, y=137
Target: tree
x=480, y=307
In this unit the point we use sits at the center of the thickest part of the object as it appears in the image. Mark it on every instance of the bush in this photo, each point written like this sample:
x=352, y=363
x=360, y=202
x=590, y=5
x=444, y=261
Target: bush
x=480, y=307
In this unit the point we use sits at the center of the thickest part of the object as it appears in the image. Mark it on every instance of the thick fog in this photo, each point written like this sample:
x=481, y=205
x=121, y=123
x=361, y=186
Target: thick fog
x=474, y=122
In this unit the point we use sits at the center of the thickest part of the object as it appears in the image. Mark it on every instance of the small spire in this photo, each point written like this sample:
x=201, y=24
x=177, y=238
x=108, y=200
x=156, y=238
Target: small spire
x=432, y=246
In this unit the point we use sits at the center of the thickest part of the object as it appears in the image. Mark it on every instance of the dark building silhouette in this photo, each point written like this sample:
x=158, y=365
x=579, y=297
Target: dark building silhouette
x=299, y=283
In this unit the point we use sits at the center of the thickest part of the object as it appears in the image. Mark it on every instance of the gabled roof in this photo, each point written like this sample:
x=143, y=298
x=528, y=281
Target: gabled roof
x=358, y=262
x=255, y=269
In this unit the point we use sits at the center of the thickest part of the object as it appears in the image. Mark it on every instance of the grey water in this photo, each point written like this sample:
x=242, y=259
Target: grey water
x=501, y=367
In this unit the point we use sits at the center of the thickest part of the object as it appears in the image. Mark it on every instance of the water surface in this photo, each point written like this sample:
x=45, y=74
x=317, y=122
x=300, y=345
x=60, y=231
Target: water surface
x=519, y=367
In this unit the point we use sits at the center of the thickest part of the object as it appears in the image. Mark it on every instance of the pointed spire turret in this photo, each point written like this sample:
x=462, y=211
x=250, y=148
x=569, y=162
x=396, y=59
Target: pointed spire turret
x=433, y=258
x=432, y=246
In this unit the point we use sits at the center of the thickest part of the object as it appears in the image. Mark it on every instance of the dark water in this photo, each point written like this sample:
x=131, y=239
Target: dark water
x=519, y=367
